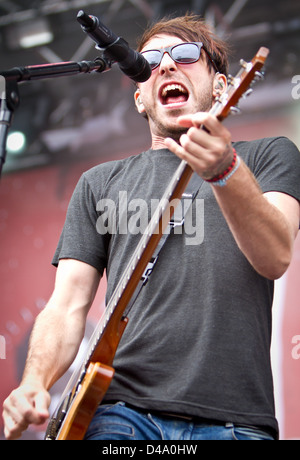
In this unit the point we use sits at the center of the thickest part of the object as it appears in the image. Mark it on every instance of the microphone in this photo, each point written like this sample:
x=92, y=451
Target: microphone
x=132, y=63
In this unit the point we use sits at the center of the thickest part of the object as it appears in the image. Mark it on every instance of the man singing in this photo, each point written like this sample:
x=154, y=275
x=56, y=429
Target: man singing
x=194, y=360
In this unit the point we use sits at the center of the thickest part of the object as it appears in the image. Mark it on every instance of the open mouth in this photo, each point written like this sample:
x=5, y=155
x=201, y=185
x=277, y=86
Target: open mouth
x=173, y=93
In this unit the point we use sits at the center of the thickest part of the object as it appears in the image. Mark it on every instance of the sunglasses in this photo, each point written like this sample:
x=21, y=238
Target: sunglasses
x=184, y=53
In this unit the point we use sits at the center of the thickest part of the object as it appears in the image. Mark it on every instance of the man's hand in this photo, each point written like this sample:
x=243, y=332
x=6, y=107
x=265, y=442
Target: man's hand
x=208, y=151
x=26, y=405
x=264, y=225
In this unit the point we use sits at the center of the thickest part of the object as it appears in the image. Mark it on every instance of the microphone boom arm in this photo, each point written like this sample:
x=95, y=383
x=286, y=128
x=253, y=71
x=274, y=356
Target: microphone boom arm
x=9, y=96
x=61, y=69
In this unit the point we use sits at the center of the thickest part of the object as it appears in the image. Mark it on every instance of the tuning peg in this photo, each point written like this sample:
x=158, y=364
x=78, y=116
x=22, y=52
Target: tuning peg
x=247, y=93
x=259, y=76
x=235, y=110
x=243, y=63
x=230, y=80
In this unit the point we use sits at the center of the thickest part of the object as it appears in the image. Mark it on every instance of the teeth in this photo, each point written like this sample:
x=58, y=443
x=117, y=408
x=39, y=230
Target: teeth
x=172, y=88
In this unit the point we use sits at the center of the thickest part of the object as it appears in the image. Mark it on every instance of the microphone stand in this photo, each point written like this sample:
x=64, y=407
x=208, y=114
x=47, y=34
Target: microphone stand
x=9, y=91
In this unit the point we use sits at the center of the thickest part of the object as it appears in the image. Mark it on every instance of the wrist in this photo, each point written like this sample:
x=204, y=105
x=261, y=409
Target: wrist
x=37, y=378
x=221, y=179
x=34, y=381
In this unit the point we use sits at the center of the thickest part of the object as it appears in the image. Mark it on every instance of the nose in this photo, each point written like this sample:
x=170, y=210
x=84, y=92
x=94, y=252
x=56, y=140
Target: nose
x=167, y=64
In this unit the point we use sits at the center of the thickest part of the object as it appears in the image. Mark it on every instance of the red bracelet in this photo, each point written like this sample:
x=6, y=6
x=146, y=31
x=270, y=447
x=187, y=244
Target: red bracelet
x=227, y=171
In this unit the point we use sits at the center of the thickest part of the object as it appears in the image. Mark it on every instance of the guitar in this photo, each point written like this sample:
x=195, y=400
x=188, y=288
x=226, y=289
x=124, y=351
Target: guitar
x=88, y=384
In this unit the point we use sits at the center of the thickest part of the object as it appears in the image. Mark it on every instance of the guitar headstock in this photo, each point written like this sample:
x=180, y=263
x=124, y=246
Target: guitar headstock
x=239, y=85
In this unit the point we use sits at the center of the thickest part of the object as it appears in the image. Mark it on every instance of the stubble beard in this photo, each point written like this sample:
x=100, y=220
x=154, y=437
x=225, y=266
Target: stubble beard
x=163, y=130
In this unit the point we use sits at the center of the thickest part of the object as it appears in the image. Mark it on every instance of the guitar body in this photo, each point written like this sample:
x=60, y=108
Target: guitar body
x=82, y=397
x=78, y=407
x=94, y=386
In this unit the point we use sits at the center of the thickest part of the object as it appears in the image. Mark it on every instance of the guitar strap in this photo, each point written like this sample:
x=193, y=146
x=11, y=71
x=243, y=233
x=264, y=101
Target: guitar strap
x=177, y=220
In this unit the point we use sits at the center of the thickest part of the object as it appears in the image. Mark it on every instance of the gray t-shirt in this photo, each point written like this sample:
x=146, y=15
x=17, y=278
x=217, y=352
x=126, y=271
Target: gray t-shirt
x=198, y=338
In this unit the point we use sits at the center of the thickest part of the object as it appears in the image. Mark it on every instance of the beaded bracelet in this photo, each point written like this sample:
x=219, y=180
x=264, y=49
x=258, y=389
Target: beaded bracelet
x=222, y=182
x=222, y=178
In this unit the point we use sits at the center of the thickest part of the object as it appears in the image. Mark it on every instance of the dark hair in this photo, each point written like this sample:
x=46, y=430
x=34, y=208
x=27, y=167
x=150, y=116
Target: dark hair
x=191, y=28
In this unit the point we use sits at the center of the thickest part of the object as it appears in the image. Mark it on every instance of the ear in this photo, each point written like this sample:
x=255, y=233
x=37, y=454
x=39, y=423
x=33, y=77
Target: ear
x=138, y=102
x=219, y=85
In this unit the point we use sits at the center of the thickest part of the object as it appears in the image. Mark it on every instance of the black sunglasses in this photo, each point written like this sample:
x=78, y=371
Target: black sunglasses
x=184, y=53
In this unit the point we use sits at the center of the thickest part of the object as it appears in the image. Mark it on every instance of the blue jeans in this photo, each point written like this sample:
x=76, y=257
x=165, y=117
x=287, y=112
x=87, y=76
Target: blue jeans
x=120, y=422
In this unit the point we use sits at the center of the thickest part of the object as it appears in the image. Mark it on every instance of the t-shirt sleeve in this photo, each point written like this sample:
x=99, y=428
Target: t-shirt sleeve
x=79, y=239
x=278, y=167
